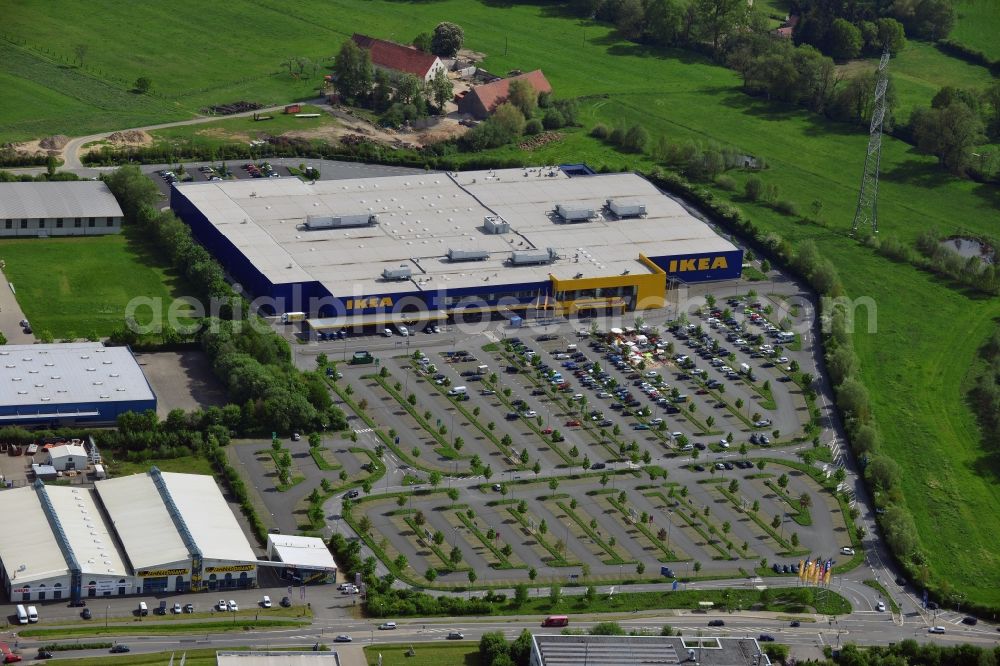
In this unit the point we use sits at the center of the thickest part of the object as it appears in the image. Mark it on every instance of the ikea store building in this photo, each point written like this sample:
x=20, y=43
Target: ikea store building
x=433, y=246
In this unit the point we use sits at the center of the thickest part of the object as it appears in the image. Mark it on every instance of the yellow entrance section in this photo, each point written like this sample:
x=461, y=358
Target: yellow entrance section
x=650, y=290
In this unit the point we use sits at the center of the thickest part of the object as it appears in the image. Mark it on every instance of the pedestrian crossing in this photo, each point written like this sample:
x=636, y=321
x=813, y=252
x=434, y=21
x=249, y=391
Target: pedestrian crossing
x=362, y=431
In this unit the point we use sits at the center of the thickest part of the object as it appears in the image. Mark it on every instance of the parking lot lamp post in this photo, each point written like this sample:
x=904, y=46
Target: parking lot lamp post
x=107, y=609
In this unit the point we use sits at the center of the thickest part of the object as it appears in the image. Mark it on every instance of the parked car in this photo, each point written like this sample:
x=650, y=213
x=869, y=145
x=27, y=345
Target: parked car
x=285, y=602
x=222, y=605
x=188, y=608
x=177, y=609
x=266, y=601
x=232, y=605
x=880, y=607
x=86, y=614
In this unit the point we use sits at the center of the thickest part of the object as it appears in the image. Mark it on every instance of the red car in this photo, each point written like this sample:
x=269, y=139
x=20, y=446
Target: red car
x=547, y=431
x=8, y=656
x=572, y=422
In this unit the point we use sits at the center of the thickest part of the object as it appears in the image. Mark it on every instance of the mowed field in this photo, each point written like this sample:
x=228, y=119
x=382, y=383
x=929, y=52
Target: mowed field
x=915, y=360
x=978, y=26
x=72, y=287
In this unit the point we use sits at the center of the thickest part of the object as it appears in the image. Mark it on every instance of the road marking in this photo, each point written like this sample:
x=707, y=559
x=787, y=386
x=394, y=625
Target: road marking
x=361, y=431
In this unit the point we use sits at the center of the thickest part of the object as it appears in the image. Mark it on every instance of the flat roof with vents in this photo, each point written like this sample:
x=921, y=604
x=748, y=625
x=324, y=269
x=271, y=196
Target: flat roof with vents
x=573, y=650
x=49, y=378
x=422, y=216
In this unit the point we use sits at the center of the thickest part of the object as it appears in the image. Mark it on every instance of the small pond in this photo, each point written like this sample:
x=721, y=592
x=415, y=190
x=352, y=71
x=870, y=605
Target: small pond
x=970, y=247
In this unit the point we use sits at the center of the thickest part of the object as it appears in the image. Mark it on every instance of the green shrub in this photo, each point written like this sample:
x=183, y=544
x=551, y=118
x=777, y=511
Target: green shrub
x=786, y=207
x=533, y=126
x=600, y=131
x=726, y=183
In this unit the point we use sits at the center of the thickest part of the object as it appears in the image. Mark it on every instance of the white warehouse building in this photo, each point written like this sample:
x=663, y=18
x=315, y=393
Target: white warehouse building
x=140, y=534
x=65, y=457
x=60, y=208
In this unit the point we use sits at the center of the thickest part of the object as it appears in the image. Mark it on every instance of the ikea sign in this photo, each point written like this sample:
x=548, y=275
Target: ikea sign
x=698, y=264
x=366, y=303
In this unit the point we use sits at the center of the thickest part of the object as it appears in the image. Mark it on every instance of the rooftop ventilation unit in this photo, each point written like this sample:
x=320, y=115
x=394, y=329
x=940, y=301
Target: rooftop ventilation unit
x=398, y=274
x=533, y=257
x=626, y=208
x=315, y=222
x=495, y=224
x=575, y=214
x=467, y=255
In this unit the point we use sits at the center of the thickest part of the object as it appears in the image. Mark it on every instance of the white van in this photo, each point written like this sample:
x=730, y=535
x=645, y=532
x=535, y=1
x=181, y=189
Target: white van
x=405, y=332
x=22, y=615
x=32, y=614
x=387, y=332
x=570, y=348
x=143, y=608
x=458, y=390
x=483, y=369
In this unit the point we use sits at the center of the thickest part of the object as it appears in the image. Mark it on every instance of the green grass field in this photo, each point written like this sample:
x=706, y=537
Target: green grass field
x=72, y=287
x=449, y=654
x=977, y=25
x=920, y=71
x=917, y=359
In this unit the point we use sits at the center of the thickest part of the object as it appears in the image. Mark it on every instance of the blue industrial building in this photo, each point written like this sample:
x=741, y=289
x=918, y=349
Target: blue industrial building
x=70, y=384
x=429, y=246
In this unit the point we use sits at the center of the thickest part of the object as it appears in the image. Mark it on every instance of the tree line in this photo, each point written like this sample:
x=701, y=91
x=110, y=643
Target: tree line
x=250, y=359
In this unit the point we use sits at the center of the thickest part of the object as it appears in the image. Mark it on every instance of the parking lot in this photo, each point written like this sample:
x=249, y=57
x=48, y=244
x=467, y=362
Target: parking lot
x=596, y=454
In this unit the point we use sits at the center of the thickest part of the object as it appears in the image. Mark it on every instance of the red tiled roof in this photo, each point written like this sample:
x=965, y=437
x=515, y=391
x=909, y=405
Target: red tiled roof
x=493, y=94
x=390, y=55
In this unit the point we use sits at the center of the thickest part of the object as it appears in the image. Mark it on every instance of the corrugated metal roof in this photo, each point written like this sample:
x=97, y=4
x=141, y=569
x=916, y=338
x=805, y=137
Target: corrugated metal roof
x=35, y=547
x=89, y=535
x=142, y=521
x=209, y=517
x=150, y=534
x=69, y=199
x=69, y=373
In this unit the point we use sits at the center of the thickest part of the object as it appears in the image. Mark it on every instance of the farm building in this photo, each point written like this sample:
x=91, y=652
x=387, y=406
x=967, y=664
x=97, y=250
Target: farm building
x=70, y=383
x=63, y=208
x=400, y=59
x=482, y=100
x=350, y=252
x=308, y=559
x=139, y=534
x=566, y=650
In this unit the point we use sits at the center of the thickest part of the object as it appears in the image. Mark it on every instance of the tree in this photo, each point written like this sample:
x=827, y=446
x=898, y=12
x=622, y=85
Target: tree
x=453, y=494
x=419, y=518
x=640, y=568
x=447, y=39
x=353, y=69
x=435, y=479
x=783, y=481
x=950, y=134
x=553, y=484
x=890, y=33
x=555, y=594
x=524, y=96
x=520, y=594
x=142, y=85
x=455, y=555
x=438, y=537
x=431, y=574
x=716, y=18
x=776, y=522
x=472, y=577
x=805, y=500
x=509, y=119
x=845, y=40
x=635, y=139
x=492, y=647
x=424, y=42
x=697, y=567
x=925, y=19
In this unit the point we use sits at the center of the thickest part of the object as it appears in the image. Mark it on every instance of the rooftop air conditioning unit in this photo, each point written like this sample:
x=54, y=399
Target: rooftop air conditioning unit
x=397, y=274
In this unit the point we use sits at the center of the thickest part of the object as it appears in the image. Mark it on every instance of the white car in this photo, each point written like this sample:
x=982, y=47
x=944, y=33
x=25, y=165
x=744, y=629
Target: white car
x=405, y=332
x=936, y=630
x=783, y=359
x=386, y=332
x=880, y=607
x=530, y=414
x=266, y=601
x=232, y=606
x=846, y=551
x=177, y=609
x=222, y=605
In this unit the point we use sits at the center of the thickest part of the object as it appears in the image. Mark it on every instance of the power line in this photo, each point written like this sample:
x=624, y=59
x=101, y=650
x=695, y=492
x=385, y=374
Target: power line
x=867, y=210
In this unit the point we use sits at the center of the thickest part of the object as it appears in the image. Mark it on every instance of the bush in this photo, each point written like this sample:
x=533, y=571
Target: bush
x=600, y=131
x=553, y=119
x=786, y=207
x=753, y=188
x=726, y=183
x=533, y=126
x=635, y=139
x=617, y=136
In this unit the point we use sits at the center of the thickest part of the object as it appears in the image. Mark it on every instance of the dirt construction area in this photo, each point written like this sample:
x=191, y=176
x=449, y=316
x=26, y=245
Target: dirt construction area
x=181, y=380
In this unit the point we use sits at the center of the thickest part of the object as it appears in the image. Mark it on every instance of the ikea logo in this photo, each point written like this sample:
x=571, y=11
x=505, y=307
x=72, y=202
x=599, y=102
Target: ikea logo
x=365, y=303
x=701, y=264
